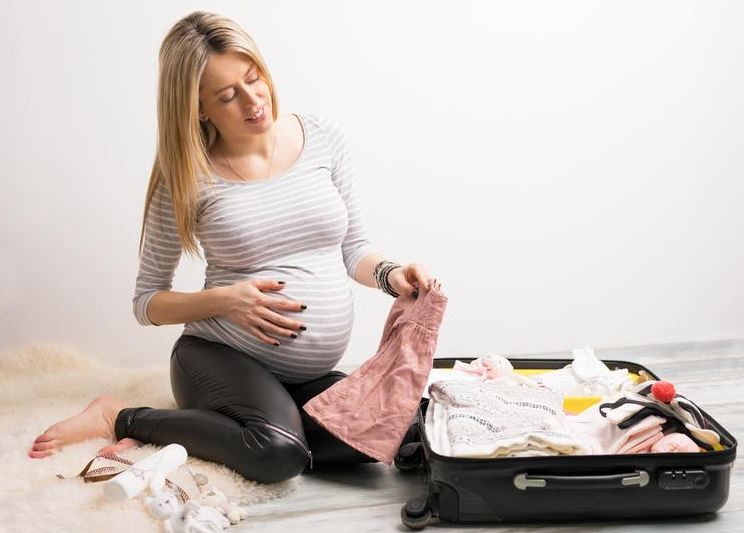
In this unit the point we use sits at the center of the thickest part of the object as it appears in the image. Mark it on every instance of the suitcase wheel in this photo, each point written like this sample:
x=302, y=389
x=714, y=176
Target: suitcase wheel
x=409, y=457
x=416, y=513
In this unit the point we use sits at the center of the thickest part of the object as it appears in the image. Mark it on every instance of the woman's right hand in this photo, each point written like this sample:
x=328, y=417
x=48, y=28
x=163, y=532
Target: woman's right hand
x=249, y=307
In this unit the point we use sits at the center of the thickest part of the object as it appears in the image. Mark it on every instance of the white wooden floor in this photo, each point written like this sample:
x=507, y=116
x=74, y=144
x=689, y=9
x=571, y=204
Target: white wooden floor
x=369, y=497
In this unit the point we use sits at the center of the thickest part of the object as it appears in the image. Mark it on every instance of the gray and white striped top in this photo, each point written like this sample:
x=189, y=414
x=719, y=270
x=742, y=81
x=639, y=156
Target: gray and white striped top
x=303, y=226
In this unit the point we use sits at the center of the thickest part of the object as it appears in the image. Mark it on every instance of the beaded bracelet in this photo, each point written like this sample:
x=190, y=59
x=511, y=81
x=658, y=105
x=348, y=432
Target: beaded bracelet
x=381, y=274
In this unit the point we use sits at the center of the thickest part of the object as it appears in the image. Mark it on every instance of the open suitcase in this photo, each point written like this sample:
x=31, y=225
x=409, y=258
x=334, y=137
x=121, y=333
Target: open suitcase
x=553, y=488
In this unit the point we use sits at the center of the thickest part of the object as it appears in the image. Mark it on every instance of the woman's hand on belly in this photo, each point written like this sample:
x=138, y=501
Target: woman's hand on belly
x=246, y=305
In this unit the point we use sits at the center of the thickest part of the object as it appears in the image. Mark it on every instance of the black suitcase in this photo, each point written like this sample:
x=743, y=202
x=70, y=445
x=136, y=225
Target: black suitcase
x=535, y=489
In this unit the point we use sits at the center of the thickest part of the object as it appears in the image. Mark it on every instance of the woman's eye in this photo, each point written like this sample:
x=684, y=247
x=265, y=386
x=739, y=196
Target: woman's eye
x=254, y=80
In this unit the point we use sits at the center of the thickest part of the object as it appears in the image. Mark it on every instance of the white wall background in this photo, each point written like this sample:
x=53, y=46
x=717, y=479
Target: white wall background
x=571, y=171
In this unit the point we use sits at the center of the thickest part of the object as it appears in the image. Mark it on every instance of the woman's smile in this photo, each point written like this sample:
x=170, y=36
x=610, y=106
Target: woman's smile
x=258, y=117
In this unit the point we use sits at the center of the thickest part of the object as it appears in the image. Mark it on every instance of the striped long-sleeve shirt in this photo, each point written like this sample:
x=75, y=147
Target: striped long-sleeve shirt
x=303, y=226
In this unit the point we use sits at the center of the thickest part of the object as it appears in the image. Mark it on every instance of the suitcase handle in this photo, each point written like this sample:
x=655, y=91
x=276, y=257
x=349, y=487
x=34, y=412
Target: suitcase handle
x=639, y=478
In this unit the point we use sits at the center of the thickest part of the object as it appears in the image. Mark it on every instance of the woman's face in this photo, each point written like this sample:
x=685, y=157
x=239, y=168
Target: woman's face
x=234, y=96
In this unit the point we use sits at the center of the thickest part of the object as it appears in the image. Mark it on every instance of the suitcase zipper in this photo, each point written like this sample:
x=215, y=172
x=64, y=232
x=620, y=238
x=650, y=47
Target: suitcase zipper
x=291, y=437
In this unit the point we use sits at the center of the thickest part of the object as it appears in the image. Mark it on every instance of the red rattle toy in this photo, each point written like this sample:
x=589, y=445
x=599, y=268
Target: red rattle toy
x=663, y=391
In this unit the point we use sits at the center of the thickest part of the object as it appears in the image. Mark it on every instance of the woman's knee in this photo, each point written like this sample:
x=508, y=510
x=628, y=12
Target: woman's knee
x=270, y=454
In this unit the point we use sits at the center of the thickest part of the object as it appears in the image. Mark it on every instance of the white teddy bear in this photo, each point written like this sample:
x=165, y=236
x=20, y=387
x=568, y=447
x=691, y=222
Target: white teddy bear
x=214, y=497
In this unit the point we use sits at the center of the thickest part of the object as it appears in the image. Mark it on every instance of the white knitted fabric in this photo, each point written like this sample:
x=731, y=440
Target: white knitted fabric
x=467, y=419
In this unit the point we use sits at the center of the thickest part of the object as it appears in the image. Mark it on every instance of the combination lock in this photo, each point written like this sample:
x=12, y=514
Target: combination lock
x=683, y=479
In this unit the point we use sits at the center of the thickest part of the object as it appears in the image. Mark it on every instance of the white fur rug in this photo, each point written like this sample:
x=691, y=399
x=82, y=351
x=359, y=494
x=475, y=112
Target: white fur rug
x=43, y=383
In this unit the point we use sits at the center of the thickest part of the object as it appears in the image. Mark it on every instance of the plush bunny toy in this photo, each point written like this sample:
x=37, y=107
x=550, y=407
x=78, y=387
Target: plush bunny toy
x=190, y=517
x=213, y=497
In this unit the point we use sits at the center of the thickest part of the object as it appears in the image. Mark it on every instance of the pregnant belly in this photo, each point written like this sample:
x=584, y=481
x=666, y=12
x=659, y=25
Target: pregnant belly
x=329, y=319
x=330, y=307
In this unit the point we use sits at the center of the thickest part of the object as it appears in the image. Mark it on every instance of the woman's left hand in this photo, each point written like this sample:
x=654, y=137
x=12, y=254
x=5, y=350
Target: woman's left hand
x=407, y=280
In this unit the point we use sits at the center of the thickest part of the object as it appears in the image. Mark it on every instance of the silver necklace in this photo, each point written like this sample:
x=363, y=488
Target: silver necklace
x=271, y=160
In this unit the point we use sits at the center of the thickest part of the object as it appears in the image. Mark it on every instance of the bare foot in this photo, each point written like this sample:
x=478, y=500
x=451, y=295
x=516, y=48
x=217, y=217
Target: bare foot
x=96, y=420
x=120, y=446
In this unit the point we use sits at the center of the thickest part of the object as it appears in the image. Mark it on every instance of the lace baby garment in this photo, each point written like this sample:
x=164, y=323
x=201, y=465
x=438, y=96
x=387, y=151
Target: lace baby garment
x=371, y=409
x=467, y=419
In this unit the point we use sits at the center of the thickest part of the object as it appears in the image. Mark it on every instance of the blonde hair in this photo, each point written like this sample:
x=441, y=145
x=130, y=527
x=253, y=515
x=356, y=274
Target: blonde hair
x=184, y=142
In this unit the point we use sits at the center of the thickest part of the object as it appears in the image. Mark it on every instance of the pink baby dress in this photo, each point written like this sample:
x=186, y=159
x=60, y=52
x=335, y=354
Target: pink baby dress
x=371, y=409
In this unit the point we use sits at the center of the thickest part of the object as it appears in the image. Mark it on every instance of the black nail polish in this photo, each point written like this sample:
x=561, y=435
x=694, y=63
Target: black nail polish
x=281, y=282
x=276, y=344
x=294, y=335
x=303, y=328
x=303, y=307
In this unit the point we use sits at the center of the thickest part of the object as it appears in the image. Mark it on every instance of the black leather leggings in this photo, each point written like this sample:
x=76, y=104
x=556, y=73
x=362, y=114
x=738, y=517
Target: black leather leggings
x=233, y=411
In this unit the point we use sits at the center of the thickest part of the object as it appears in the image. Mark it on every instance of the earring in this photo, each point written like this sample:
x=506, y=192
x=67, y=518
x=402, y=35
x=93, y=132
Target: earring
x=202, y=118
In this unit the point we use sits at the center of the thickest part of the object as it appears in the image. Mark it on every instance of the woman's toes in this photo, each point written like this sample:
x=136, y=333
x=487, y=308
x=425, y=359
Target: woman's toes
x=46, y=436
x=40, y=455
x=42, y=446
x=121, y=445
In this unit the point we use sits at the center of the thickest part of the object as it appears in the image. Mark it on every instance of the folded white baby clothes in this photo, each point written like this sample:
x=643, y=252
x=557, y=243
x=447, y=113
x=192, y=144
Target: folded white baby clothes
x=472, y=419
x=586, y=376
x=603, y=436
x=646, y=445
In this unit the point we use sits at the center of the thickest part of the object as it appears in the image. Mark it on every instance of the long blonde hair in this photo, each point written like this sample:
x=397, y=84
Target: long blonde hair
x=184, y=142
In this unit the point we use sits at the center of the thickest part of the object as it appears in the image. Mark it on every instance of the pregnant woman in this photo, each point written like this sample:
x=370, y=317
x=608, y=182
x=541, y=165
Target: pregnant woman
x=270, y=198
